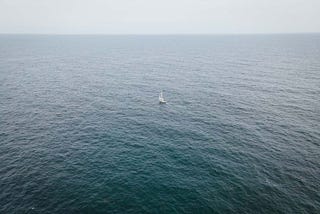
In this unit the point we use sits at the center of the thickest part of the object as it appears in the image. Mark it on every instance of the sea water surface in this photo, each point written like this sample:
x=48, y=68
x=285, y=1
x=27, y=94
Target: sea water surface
x=81, y=129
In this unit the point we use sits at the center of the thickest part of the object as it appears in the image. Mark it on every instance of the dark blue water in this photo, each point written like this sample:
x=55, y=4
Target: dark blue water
x=81, y=130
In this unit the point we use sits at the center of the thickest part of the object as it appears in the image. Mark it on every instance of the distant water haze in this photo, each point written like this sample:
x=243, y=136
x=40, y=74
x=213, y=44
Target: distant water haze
x=159, y=17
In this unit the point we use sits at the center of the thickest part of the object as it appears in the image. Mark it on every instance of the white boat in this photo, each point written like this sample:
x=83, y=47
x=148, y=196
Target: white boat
x=161, y=99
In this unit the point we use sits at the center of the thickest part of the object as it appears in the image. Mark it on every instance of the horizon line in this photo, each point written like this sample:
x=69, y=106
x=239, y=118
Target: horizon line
x=159, y=34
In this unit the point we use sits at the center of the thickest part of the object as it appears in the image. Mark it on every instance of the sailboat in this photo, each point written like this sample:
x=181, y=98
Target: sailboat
x=161, y=99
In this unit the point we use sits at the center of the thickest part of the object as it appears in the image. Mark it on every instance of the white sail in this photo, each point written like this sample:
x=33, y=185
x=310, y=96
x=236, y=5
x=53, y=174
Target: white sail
x=161, y=99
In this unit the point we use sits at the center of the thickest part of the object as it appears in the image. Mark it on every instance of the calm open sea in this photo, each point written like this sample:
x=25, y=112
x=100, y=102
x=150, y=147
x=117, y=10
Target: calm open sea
x=81, y=130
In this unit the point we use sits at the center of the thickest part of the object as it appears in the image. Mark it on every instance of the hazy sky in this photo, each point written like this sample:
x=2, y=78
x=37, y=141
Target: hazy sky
x=159, y=16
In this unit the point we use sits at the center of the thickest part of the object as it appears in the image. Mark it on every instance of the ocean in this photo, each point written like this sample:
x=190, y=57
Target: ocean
x=82, y=131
